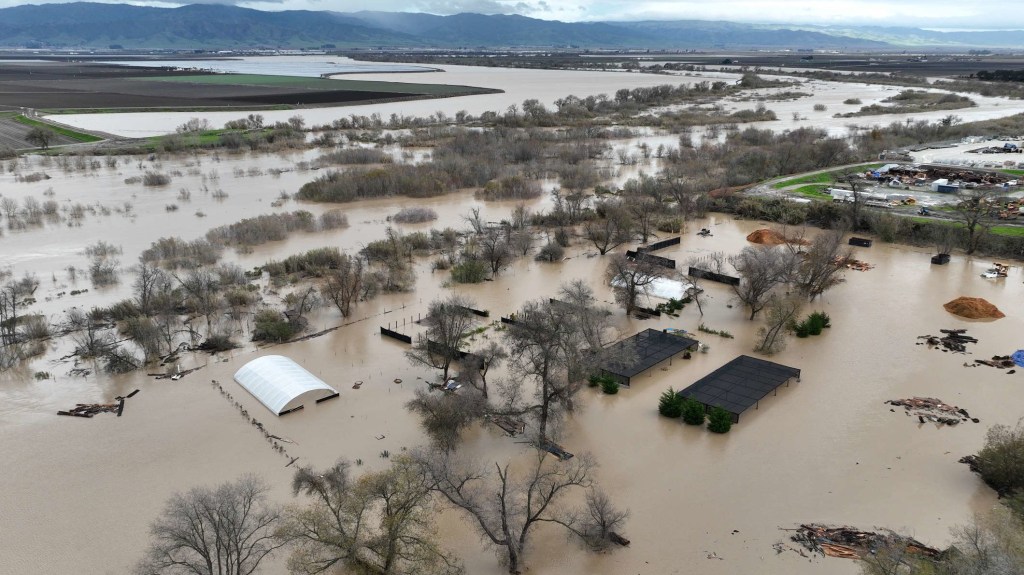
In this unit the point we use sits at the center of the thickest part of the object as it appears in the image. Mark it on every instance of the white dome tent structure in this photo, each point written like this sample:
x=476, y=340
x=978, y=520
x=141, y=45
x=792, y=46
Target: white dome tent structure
x=282, y=385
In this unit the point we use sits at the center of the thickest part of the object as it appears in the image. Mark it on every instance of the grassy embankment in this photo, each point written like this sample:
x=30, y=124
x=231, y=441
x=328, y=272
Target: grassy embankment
x=67, y=132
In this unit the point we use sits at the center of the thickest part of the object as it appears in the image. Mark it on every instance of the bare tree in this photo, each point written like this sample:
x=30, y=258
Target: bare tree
x=475, y=221
x=761, y=269
x=447, y=322
x=554, y=345
x=494, y=249
x=487, y=357
x=856, y=203
x=379, y=524
x=644, y=212
x=821, y=267
x=974, y=208
x=445, y=415
x=599, y=520
x=147, y=279
x=571, y=204
x=506, y=507
x=609, y=232
x=780, y=313
x=203, y=291
x=9, y=206
x=343, y=285
x=228, y=530
x=40, y=137
x=631, y=279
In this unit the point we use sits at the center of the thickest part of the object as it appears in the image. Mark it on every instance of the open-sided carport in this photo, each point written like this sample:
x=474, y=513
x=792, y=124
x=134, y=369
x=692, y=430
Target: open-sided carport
x=649, y=348
x=740, y=384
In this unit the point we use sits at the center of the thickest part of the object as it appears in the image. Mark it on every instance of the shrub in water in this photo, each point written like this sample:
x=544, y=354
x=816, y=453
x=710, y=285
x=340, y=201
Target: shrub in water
x=719, y=420
x=469, y=272
x=670, y=404
x=693, y=412
x=609, y=386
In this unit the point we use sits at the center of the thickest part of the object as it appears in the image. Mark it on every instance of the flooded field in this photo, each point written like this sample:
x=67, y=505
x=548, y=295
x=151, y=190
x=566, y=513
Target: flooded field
x=825, y=449
x=549, y=85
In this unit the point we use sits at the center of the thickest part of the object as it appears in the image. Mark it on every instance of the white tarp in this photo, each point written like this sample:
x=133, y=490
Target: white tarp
x=279, y=383
x=663, y=288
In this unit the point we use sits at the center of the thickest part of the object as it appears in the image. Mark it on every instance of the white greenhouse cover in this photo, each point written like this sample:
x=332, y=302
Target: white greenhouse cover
x=279, y=383
x=663, y=288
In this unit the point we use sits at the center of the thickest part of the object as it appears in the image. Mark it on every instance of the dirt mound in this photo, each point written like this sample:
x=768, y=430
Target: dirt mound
x=973, y=308
x=766, y=237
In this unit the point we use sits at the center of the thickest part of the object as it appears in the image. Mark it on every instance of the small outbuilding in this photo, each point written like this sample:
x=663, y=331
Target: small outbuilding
x=282, y=385
x=740, y=384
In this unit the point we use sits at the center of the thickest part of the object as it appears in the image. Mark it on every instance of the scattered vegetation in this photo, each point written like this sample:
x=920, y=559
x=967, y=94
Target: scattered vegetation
x=719, y=332
x=812, y=324
x=414, y=215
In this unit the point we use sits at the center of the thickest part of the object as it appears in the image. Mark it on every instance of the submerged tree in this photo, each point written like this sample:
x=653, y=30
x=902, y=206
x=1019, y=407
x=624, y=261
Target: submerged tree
x=447, y=322
x=343, y=285
x=445, y=415
x=632, y=278
x=611, y=231
x=380, y=523
x=506, y=507
x=780, y=313
x=761, y=270
x=554, y=346
x=228, y=530
x=821, y=267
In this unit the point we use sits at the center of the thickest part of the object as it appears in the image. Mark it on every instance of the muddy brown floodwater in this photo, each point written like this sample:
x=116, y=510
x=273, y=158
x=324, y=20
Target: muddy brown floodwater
x=76, y=496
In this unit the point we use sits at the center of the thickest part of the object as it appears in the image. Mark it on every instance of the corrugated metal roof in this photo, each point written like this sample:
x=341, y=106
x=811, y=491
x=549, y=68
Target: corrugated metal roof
x=279, y=383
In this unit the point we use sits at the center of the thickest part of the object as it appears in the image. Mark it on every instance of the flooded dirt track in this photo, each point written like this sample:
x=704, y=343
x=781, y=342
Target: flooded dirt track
x=825, y=449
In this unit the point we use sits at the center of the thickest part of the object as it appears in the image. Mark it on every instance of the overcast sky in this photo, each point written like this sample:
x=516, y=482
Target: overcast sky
x=943, y=14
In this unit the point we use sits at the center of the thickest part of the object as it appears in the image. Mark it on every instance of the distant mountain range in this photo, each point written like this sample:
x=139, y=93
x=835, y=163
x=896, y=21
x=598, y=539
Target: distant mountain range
x=215, y=26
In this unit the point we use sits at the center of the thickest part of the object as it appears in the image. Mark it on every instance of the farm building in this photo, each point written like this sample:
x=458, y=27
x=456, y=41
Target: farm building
x=282, y=385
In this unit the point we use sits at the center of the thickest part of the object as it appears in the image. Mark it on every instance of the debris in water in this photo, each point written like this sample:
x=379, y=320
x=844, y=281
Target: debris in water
x=850, y=543
x=951, y=340
x=931, y=409
x=91, y=409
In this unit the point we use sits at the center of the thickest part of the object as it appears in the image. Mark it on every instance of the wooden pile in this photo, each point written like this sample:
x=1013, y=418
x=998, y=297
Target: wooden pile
x=850, y=543
x=951, y=340
x=858, y=265
x=934, y=410
x=91, y=409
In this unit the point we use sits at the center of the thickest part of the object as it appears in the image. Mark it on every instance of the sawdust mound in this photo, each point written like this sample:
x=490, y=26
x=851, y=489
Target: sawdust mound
x=766, y=237
x=973, y=308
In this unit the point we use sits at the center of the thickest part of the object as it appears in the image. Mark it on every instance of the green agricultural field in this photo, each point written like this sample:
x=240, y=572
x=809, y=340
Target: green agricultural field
x=297, y=82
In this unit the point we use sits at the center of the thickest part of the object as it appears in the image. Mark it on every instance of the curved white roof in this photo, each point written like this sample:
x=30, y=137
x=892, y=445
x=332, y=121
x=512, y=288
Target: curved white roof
x=279, y=383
